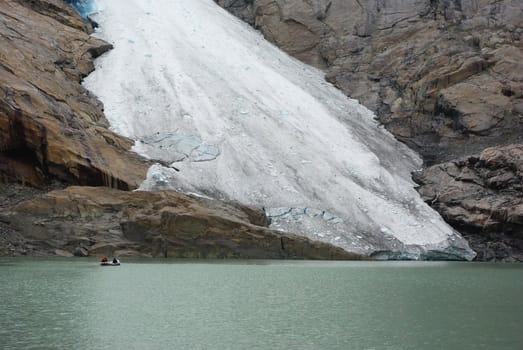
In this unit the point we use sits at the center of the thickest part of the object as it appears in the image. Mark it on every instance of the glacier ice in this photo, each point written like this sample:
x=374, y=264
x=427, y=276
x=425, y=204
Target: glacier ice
x=201, y=91
x=83, y=7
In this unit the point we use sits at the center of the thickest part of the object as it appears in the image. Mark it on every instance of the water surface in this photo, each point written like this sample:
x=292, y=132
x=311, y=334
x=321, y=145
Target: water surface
x=168, y=304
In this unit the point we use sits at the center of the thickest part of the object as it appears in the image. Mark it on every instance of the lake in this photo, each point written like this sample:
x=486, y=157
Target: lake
x=173, y=304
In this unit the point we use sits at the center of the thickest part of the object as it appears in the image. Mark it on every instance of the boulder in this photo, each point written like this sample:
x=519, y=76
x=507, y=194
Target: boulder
x=80, y=252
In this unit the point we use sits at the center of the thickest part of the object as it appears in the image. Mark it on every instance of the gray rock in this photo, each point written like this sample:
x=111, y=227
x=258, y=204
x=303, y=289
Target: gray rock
x=243, y=9
x=81, y=252
x=482, y=196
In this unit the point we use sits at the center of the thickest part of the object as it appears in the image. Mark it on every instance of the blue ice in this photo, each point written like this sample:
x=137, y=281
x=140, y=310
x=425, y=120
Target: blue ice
x=83, y=7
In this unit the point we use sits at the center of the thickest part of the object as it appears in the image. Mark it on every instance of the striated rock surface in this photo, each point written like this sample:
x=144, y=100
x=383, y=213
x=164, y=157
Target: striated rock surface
x=444, y=76
x=85, y=221
x=50, y=126
x=482, y=196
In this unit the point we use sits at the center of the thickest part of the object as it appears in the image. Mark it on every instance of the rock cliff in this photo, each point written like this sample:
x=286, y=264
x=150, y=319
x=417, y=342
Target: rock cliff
x=50, y=126
x=95, y=220
x=445, y=77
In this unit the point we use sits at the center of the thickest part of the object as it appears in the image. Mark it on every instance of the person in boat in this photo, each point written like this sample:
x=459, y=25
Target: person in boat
x=104, y=259
x=115, y=261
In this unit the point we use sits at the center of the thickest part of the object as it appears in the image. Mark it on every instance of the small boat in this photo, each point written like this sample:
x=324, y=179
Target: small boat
x=105, y=262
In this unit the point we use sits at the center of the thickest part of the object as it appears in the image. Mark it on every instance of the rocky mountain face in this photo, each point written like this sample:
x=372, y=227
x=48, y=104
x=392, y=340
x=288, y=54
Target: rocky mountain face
x=50, y=126
x=53, y=133
x=444, y=76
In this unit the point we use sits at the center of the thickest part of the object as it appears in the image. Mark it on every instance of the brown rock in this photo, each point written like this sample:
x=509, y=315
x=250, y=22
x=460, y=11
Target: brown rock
x=97, y=220
x=50, y=126
x=81, y=252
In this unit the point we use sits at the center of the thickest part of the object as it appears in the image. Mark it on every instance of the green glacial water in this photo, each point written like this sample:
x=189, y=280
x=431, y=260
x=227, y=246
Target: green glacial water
x=168, y=304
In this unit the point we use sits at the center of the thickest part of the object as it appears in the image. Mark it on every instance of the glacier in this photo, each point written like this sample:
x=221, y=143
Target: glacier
x=227, y=115
x=83, y=7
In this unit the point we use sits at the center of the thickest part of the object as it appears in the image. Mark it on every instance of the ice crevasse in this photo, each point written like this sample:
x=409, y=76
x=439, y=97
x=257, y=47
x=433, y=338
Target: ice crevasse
x=230, y=116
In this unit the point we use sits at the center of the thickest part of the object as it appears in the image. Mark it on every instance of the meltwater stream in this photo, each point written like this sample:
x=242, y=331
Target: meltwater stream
x=205, y=94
